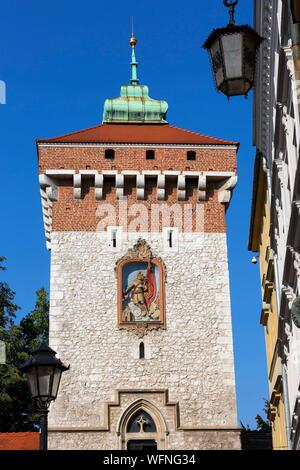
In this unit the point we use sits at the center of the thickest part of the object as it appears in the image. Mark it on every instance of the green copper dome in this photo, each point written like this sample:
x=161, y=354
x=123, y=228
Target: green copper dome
x=134, y=105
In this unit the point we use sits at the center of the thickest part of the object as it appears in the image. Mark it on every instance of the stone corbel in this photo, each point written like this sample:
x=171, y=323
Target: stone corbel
x=88, y=173
x=140, y=187
x=77, y=186
x=297, y=268
x=288, y=52
x=278, y=165
x=181, y=188
x=49, y=193
x=202, y=182
x=99, y=179
x=49, y=187
x=285, y=120
x=47, y=215
x=161, y=187
x=289, y=294
x=286, y=353
x=120, y=186
x=288, y=332
x=226, y=189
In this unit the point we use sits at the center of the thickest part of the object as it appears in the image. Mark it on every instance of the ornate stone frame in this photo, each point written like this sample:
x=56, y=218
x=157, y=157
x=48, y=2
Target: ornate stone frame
x=141, y=252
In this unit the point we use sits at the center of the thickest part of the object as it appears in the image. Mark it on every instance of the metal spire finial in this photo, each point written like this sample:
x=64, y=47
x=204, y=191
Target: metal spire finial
x=231, y=6
x=133, y=41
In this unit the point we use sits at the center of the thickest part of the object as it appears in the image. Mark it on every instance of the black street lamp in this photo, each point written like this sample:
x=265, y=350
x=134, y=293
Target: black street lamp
x=233, y=55
x=43, y=372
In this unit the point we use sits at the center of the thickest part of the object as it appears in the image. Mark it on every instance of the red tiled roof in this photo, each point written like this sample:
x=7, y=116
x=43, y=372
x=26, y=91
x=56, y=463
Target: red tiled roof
x=137, y=134
x=19, y=441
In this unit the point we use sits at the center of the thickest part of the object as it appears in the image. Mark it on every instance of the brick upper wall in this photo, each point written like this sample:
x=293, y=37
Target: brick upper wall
x=70, y=214
x=134, y=158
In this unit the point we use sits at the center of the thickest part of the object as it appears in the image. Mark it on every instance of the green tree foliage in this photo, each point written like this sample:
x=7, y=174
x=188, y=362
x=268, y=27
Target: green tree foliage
x=8, y=308
x=17, y=412
x=34, y=327
x=261, y=423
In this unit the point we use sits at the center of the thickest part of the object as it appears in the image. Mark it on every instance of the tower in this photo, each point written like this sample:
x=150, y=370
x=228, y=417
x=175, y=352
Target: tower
x=134, y=213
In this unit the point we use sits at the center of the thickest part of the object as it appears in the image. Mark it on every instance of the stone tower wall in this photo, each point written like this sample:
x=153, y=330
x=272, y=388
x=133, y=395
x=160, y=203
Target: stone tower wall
x=187, y=375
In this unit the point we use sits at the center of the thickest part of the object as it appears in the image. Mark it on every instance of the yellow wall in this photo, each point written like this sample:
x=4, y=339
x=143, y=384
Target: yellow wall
x=261, y=241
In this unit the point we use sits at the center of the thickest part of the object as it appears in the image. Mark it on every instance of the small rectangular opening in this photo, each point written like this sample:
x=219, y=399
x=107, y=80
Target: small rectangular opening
x=191, y=155
x=150, y=155
x=110, y=154
x=170, y=239
x=142, y=350
x=114, y=238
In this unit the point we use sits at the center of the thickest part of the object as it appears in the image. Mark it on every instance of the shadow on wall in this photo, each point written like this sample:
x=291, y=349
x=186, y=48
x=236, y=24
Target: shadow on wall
x=256, y=440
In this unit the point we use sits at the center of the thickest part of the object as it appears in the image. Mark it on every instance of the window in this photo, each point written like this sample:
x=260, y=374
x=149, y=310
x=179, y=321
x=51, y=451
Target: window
x=150, y=155
x=191, y=155
x=142, y=350
x=141, y=422
x=114, y=238
x=148, y=444
x=110, y=154
x=142, y=427
x=170, y=241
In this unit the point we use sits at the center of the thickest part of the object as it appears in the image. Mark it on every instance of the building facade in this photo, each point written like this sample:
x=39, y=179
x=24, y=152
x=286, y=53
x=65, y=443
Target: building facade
x=275, y=214
x=134, y=213
x=260, y=242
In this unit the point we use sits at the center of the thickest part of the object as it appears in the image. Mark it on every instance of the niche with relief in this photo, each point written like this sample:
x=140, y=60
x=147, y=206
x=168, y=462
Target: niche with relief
x=141, y=298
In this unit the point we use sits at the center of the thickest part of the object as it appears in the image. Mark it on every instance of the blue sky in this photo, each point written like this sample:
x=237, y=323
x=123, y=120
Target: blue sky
x=60, y=60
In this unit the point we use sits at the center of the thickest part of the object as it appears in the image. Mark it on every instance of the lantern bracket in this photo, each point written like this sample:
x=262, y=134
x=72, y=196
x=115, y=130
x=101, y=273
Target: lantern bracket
x=231, y=6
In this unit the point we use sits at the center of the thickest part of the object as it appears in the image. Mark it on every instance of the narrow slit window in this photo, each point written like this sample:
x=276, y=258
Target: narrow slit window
x=114, y=238
x=150, y=155
x=170, y=239
x=110, y=154
x=191, y=155
x=142, y=350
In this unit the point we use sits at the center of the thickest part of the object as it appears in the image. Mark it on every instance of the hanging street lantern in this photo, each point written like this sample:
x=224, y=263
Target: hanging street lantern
x=43, y=372
x=233, y=55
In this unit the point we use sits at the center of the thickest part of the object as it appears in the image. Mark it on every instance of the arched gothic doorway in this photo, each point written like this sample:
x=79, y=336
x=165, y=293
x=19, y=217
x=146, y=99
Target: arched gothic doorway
x=142, y=428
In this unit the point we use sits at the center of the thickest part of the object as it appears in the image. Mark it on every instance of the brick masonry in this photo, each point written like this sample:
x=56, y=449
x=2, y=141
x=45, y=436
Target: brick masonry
x=81, y=157
x=72, y=214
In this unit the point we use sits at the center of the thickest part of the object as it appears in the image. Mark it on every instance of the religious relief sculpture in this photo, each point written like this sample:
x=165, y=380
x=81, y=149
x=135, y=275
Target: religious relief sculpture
x=140, y=289
x=141, y=292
